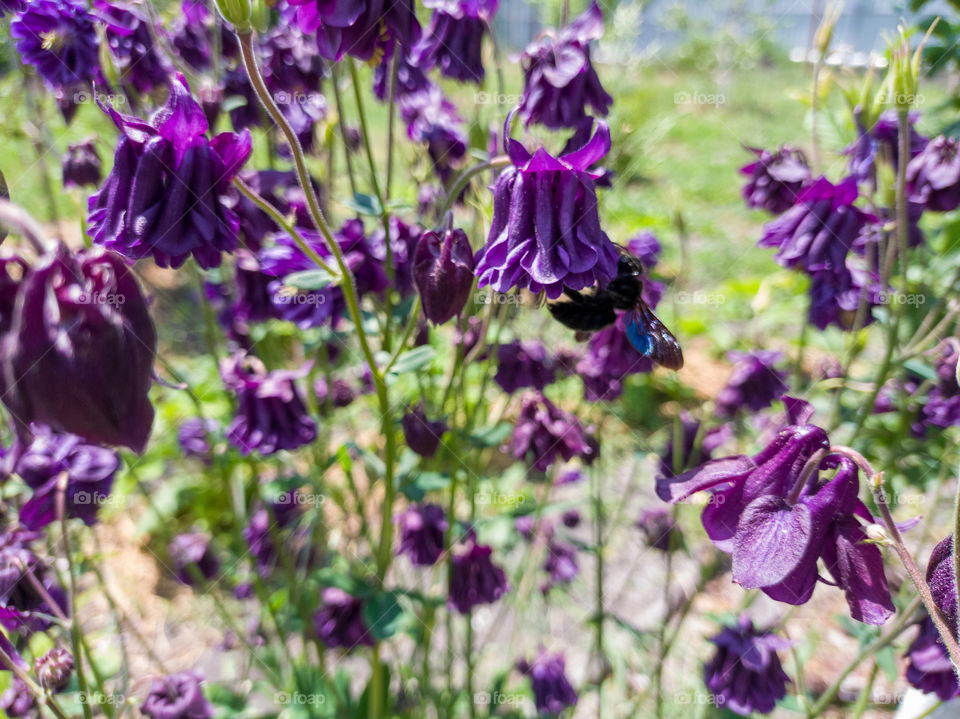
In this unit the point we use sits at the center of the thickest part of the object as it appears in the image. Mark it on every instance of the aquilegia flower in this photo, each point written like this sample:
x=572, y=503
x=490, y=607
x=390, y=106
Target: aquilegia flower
x=610, y=358
x=645, y=247
x=755, y=382
x=194, y=437
x=933, y=176
x=560, y=564
x=454, y=39
x=59, y=39
x=524, y=364
x=54, y=668
x=358, y=27
x=79, y=353
x=443, y=272
x=552, y=692
x=930, y=669
x=340, y=622
x=559, y=81
x=410, y=79
x=942, y=580
x=745, y=675
x=193, y=558
x=545, y=234
x=165, y=195
x=270, y=411
x=836, y=294
x=7, y=6
x=17, y=700
x=881, y=139
x=422, y=434
x=422, y=527
x=24, y=607
x=775, y=178
x=133, y=46
x=543, y=432
x=433, y=120
x=942, y=408
x=177, y=696
x=474, y=578
x=81, y=165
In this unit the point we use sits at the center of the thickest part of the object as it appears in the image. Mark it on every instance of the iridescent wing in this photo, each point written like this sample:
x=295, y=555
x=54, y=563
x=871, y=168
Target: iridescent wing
x=652, y=339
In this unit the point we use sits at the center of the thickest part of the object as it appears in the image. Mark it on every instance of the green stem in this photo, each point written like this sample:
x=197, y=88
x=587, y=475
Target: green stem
x=335, y=81
x=466, y=176
x=864, y=699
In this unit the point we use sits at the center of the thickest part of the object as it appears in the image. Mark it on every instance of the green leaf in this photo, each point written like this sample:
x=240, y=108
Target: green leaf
x=491, y=436
x=364, y=204
x=415, y=485
x=384, y=615
x=887, y=661
x=412, y=360
x=308, y=280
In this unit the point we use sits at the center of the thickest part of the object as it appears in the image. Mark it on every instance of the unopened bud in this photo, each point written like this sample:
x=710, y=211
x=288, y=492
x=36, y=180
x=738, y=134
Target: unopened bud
x=876, y=533
x=236, y=12
x=54, y=669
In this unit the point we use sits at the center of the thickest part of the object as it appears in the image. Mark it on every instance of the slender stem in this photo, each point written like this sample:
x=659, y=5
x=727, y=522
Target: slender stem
x=412, y=322
x=600, y=659
x=814, y=112
x=391, y=121
x=466, y=176
x=956, y=533
x=335, y=81
x=864, y=699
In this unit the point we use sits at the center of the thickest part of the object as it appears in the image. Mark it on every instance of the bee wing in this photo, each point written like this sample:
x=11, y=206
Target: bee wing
x=651, y=338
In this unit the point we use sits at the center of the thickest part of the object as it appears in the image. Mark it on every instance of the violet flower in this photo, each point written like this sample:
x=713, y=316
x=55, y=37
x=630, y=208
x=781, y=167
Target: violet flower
x=433, y=120
x=835, y=295
x=524, y=364
x=933, y=176
x=543, y=432
x=930, y=669
x=340, y=622
x=560, y=564
x=942, y=580
x=443, y=272
x=754, y=384
x=422, y=434
x=81, y=165
x=357, y=28
x=552, y=692
x=133, y=46
x=422, y=528
x=59, y=39
x=194, y=437
x=177, y=696
x=474, y=578
x=410, y=79
x=609, y=360
x=193, y=558
x=17, y=700
x=659, y=529
x=454, y=40
x=645, y=247
x=404, y=240
x=775, y=178
x=53, y=669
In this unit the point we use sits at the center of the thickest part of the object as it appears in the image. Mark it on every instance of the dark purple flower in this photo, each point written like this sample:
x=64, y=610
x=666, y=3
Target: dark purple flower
x=755, y=382
x=524, y=364
x=361, y=258
x=443, y=272
x=191, y=37
x=292, y=66
x=933, y=176
x=81, y=165
x=340, y=622
x=421, y=434
x=561, y=564
x=59, y=39
x=942, y=408
x=881, y=139
x=433, y=120
x=559, y=81
x=23, y=605
x=745, y=675
x=930, y=669
x=645, y=247
x=194, y=437
x=474, y=578
x=165, y=193
x=552, y=692
x=422, y=528
x=545, y=234
x=265, y=522
x=17, y=700
x=357, y=27
x=342, y=393
x=836, y=294
x=282, y=189
x=404, y=240
x=271, y=415
x=79, y=353
x=12, y=270
x=942, y=580
x=691, y=451
x=570, y=518
x=8, y=6
x=659, y=529
x=410, y=78
x=776, y=178
x=54, y=668
x=193, y=558
x=610, y=358
x=454, y=39
x=543, y=432
x=133, y=45
x=177, y=696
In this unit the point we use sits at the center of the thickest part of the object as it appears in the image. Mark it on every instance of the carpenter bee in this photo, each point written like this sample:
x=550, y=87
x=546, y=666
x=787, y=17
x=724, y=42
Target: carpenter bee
x=595, y=309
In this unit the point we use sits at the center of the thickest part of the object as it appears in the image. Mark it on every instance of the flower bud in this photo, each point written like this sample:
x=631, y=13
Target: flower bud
x=422, y=435
x=237, y=13
x=54, y=669
x=443, y=272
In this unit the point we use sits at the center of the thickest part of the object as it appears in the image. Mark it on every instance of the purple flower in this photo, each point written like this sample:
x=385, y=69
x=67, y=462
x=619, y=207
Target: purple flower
x=357, y=27
x=7, y=6
x=930, y=669
x=559, y=81
x=292, y=66
x=543, y=431
x=474, y=578
x=340, y=395
x=191, y=39
x=942, y=580
x=942, y=408
x=54, y=668
x=882, y=139
x=404, y=240
x=422, y=528
x=836, y=294
x=775, y=178
x=90, y=471
x=570, y=518
x=410, y=78
x=552, y=692
x=165, y=193
x=23, y=605
x=59, y=39
x=443, y=272
x=755, y=382
x=645, y=247
x=433, y=120
x=193, y=557
x=79, y=353
x=340, y=621
x=659, y=529
x=561, y=564
x=194, y=437
x=17, y=700
x=455, y=37
x=545, y=234
x=933, y=176
x=177, y=696
x=421, y=434
x=271, y=415
x=745, y=675
x=81, y=165
x=690, y=432
x=610, y=358
x=133, y=46
x=283, y=191
x=524, y=364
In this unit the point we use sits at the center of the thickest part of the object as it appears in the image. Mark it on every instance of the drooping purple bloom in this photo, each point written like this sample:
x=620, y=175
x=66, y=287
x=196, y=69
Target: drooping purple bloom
x=133, y=45
x=881, y=139
x=305, y=308
x=443, y=272
x=930, y=669
x=454, y=39
x=745, y=675
x=17, y=700
x=942, y=408
x=410, y=78
x=90, y=472
x=341, y=394
x=545, y=234
x=942, y=580
x=59, y=39
x=8, y=6
x=282, y=189
x=610, y=358
x=340, y=622
x=754, y=384
x=552, y=692
x=191, y=39
x=264, y=523
x=422, y=434
x=689, y=452
x=357, y=27
x=559, y=82
x=422, y=528
x=165, y=193
x=193, y=557
x=433, y=120
x=81, y=165
x=177, y=696
x=933, y=176
x=271, y=415
x=79, y=353
x=361, y=258
x=194, y=437
x=54, y=668
x=775, y=178
x=292, y=66
x=543, y=432
x=524, y=364
x=659, y=529
x=645, y=247
x=474, y=578
x=836, y=294
x=23, y=605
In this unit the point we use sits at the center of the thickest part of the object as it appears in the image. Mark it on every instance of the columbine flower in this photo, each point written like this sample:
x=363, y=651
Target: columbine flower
x=545, y=234
x=559, y=81
x=404, y=240
x=455, y=37
x=776, y=178
x=54, y=668
x=422, y=435
x=755, y=382
x=24, y=608
x=882, y=139
x=421, y=533
x=543, y=431
x=59, y=38
x=930, y=669
x=433, y=120
x=264, y=523
x=410, y=79
x=165, y=193
x=552, y=692
x=610, y=358
x=645, y=247
x=341, y=394
x=270, y=412
x=193, y=558
x=836, y=294
x=443, y=272
x=933, y=176
x=7, y=6
x=90, y=471
x=17, y=700
x=81, y=165
x=745, y=675
x=194, y=437
x=340, y=622
x=942, y=580
x=561, y=564
x=79, y=353
x=178, y=696
x=132, y=44
x=357, y=28
x=524, y=364
x=474, y=578
x=942, y=408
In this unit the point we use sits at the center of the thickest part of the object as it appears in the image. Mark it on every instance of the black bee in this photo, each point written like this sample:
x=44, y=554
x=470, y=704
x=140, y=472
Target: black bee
x=595, y=309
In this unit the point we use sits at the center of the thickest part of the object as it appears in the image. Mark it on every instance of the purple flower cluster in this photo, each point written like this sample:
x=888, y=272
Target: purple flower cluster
x=422, y=530
x=543, y=432
x=930, y=669
x=340, y=622
x=59, y=39
x=455, y=37
x=474, y=578
x=775, y=178
x=358, y=28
